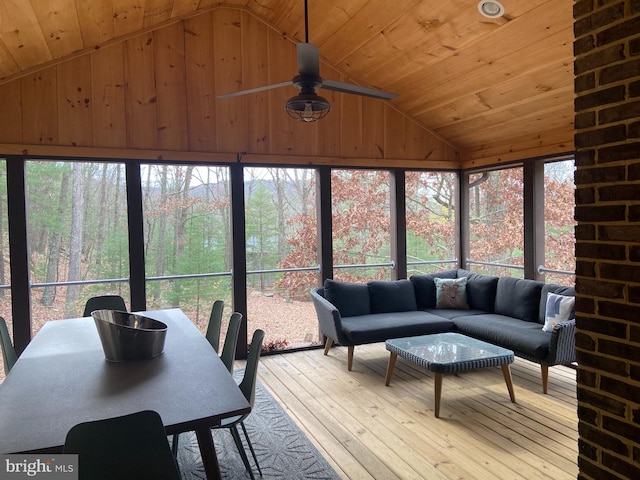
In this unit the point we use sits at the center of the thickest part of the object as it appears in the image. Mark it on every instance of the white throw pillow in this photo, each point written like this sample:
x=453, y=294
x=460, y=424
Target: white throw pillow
x=558, y=309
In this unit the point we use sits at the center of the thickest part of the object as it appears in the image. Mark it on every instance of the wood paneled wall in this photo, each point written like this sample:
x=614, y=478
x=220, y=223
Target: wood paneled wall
x=155, y=94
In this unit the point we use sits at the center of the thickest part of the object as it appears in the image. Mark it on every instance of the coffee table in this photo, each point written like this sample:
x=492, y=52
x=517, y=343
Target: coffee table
x=443, y=353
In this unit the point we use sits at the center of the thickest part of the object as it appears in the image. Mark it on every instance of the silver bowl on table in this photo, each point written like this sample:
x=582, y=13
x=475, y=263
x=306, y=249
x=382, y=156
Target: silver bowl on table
x=127, y=336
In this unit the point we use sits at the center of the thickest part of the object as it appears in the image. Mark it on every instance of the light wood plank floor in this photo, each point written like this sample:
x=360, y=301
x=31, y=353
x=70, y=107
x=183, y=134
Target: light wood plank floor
x=368, y=431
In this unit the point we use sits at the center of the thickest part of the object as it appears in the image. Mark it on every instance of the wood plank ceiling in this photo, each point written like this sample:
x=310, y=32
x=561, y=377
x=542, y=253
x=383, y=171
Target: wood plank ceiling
x=495, y=89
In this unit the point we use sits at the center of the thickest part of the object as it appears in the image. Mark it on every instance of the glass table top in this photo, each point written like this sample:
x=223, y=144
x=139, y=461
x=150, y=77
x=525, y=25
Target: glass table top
x=446, y=348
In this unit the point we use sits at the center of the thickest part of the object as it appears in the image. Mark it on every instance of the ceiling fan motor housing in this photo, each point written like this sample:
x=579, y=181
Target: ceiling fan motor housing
x=307, y=83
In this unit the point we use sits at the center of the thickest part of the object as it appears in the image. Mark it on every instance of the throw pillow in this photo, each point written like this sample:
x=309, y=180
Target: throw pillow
x=425, y=287
x=451, y=293
x=558, y=310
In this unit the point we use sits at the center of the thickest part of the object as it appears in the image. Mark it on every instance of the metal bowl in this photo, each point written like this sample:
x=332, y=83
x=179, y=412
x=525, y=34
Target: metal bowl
x=127, y=336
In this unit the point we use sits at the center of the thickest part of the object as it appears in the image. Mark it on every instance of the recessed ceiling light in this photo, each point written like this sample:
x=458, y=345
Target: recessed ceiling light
x=491, y=8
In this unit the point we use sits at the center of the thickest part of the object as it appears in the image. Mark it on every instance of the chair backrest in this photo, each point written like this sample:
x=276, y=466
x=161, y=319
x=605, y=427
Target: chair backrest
x=130, y=447
x=248, y=383
x=104, y=302
x=8, y=352
x=215, y=324
x=231, y=341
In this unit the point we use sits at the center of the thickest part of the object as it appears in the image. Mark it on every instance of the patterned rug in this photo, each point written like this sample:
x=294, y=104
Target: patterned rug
x=283, y=450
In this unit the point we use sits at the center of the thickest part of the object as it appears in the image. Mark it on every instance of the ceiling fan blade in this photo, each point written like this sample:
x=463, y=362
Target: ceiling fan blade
x=308, y=59
x=255, y=90
x=357, y=90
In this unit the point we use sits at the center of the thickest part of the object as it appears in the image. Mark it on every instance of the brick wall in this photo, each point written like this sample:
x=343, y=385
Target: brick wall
x=607, y=121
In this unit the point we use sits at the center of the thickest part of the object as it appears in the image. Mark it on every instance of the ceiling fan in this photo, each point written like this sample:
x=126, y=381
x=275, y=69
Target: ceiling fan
x=308, y=106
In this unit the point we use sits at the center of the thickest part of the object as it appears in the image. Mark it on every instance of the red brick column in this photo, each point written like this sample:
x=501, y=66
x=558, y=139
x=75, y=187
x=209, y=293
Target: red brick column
x=607, y=121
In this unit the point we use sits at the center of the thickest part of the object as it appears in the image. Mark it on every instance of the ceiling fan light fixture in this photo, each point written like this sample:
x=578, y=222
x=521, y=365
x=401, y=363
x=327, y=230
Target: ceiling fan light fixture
x=307, y=108
x=491, y=8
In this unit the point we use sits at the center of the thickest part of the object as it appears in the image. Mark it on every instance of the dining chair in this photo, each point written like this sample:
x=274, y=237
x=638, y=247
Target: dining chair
x=104, y=302
x=228, y=354
x=8, y=352
x=248, y=388
x=215, y=324
x=228, y=357
x=129, y=447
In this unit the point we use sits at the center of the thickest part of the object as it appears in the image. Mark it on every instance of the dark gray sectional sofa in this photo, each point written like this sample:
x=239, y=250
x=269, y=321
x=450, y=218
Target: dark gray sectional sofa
x=505, y=311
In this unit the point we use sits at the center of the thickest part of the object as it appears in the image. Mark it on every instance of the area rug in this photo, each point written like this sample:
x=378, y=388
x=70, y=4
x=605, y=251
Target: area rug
x=283, y=450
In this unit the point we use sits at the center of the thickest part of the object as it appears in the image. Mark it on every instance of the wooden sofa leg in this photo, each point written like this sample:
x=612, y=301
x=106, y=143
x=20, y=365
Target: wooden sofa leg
x=327, y=345
x=349, y=357
x=545, y=377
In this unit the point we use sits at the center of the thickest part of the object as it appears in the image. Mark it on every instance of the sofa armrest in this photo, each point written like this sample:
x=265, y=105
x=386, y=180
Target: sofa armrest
x=562, y=347
x=329, y=317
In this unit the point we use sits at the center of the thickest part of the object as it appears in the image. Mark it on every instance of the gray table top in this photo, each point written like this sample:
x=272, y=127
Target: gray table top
x=62, y=379
x=449, y=352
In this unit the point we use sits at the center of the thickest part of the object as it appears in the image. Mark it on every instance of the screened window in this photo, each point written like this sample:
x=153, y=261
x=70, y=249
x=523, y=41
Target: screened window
x=559, y=238
x=282, y=263
x=187, y=234
x=361, y=225
x=78, y=240
x=431, y=221
x=5, y=277
x=496, y=222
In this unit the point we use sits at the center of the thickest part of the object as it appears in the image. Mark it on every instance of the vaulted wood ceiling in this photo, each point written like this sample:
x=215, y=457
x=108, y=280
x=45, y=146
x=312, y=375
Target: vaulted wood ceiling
x=495, y=90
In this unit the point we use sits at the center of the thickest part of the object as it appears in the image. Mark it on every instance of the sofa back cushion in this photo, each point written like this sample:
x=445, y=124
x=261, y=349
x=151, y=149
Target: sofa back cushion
x=391, y=296
x=481, y=290
x=559, y=290
x=350, y=299
x=425, y=287
x=519, y=298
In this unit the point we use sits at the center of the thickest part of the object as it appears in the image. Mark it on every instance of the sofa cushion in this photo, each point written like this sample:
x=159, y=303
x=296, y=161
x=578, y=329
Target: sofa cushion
x=391, y=296
x=518, y=298
x=451, y=293
x=453, y=313
x=425, y=287
x=349, y=298
x=379, y=327
x=517, y=335
x=554, y=288
x=481, y=290
x=558, y=309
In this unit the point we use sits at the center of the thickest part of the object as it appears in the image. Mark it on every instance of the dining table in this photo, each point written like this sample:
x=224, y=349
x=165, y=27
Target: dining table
x=62, y=378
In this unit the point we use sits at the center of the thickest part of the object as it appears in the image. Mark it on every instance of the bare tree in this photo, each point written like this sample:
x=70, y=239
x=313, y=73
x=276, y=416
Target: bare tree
x=75, y=247
x=101, y=234
x=162, y=229
x=280, y=185
x=55, y=241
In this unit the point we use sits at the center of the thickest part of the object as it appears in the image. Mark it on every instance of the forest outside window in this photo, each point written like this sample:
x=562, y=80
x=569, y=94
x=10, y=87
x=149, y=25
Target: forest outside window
x=187, y=237
x=361, y=225
x=430, y=199
x=496, y=222
x=281, y=252
x=78, y=235
x=559, y=223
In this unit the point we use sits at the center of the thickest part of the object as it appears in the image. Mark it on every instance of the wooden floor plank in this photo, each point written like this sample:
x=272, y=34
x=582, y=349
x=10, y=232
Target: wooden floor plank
x=399, y=424
x=367, y=430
